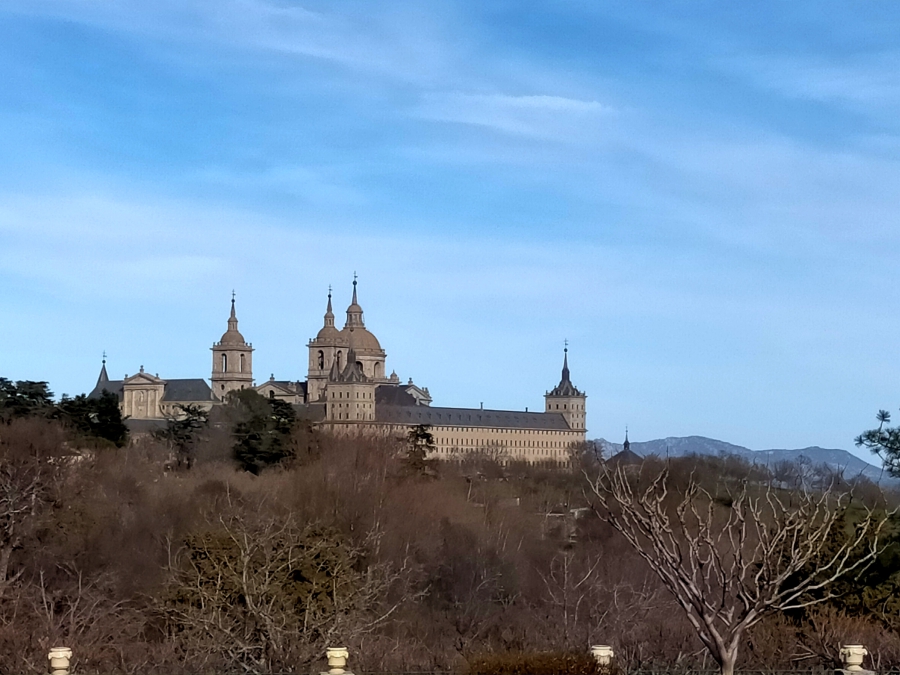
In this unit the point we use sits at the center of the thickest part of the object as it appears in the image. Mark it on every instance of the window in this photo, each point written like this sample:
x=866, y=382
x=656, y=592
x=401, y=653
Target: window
x=241, y=364
x=321, y=360
x=339, y=357
x=224, y=362
x=271, y=393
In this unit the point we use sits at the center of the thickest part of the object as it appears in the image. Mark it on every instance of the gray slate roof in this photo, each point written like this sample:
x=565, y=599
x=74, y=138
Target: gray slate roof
x=112, y=386
x=191, y=389
x=468, y=417
x=393, y=394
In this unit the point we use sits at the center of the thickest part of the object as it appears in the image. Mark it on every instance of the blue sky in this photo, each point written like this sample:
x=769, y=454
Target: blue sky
x=701, y=197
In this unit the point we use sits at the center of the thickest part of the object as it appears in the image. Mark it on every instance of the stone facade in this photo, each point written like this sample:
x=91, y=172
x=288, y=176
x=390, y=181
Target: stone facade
x=347, y=391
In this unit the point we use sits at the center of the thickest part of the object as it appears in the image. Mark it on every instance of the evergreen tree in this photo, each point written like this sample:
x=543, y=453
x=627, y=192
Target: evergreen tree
x=95, y=418
x=182, y=432
x=262, y=433
x=25, y=399
x=884, y=442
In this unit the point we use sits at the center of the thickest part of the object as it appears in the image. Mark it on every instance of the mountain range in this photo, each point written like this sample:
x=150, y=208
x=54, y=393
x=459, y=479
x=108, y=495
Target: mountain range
x=840, y=460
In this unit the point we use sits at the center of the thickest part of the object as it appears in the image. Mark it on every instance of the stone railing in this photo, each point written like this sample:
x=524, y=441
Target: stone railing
x=852, y=657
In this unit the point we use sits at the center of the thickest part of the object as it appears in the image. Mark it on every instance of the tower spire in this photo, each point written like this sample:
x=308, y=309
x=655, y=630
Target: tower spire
x=565, y=368
x=104, y=377
x=354, y=311
x=232, y=319
x=329, y=314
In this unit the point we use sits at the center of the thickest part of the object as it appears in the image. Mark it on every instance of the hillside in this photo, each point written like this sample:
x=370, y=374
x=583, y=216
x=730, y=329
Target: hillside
x=841, y=460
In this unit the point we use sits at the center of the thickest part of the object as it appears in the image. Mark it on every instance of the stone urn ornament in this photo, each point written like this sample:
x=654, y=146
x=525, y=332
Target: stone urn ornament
x=59, y=658
x=852, y=657
x=603, y=654
x=337, y=659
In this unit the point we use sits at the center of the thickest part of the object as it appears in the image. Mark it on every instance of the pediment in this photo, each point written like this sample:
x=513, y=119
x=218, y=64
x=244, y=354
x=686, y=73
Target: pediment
x=276, y=387
x=143, y=379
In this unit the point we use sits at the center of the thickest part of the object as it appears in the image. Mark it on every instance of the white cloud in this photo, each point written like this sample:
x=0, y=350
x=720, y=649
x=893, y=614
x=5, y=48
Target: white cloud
x=537, y=116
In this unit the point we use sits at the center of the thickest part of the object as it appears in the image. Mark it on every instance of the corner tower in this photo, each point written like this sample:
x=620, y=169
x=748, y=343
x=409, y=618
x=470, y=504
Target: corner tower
x=232, y=367
x=566, y=400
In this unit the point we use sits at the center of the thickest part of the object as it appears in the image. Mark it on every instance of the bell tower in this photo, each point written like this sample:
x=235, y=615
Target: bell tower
x=232, y=366
x=566, y=400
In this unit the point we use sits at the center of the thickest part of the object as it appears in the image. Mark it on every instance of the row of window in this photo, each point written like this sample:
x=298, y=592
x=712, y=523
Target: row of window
x=346, y=416
x=468, y=442
x=531, y=452
x=491, y=430
x=340, y=394
x=574, y=407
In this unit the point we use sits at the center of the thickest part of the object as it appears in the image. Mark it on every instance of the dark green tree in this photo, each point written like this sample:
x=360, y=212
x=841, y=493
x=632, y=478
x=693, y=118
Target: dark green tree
x=183, y=431
x=95, y=418
x=262, y=434
x=884, y=442
x=25, y=399
x=419, y=443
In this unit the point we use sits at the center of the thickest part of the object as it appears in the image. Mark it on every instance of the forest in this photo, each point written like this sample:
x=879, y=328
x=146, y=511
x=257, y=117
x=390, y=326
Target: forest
x=247, y=540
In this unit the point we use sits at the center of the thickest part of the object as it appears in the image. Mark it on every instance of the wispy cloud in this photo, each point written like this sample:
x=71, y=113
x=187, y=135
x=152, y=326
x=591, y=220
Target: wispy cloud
x=868, y=82
x=536, y=116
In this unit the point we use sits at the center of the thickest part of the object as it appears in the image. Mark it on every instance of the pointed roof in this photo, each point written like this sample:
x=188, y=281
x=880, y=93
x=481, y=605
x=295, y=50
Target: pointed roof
x=363, y=339
x=626, y=446
x=354, y=311
x=104, y=376
x=232, y=336
x=565, y=386
x=334, y=375
x=328, y=331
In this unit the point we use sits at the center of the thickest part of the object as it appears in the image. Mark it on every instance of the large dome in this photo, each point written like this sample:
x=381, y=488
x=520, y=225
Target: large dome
x=362, y=339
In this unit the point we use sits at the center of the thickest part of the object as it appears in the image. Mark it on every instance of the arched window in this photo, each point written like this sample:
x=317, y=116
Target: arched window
x=339, y=357
x=224, y=362
x=321, y=360
x=241, y=364
x=360, y=366
x=271, y=393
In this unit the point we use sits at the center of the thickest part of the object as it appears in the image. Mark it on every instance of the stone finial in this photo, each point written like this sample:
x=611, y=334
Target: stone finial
x=59, y=658
x=852, y=657
x=603, y=654
x=337, y=659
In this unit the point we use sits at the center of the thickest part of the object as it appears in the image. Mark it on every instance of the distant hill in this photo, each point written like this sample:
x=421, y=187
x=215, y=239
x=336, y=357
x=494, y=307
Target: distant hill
x=840, y=460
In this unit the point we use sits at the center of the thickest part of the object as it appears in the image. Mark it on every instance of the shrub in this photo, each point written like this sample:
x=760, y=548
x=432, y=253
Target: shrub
x=535, y=663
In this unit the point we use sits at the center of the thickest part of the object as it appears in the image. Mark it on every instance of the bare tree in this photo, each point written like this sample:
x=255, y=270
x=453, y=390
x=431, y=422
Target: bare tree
x=730, y=562
x=265, y=594
x=31, y=464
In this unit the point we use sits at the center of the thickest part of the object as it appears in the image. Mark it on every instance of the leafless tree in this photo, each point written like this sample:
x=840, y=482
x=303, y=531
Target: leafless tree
x=31, y=462
x=266, y=595
x=731, y=561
